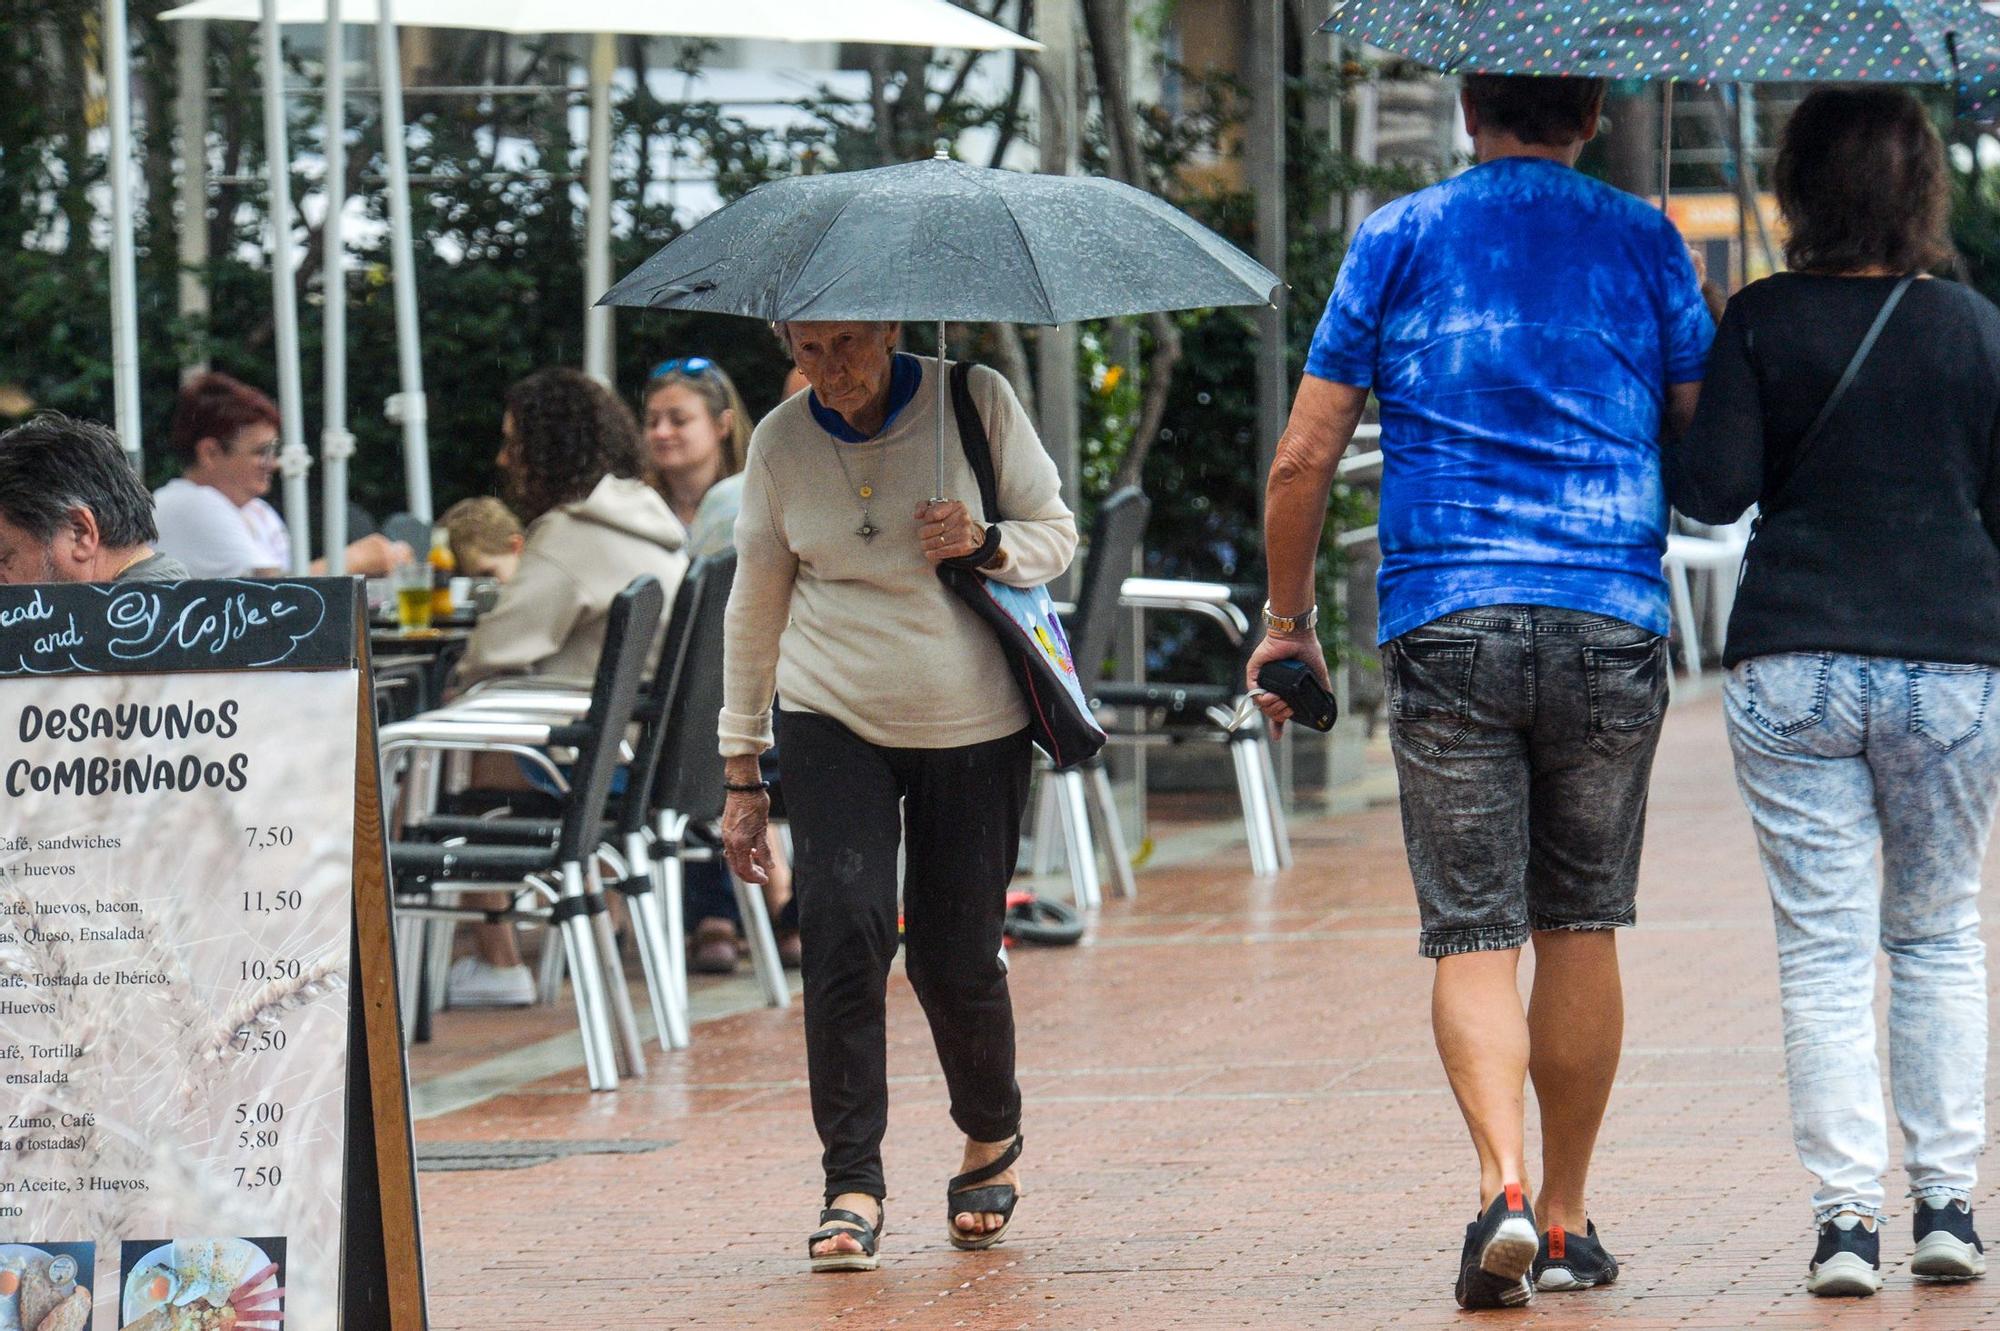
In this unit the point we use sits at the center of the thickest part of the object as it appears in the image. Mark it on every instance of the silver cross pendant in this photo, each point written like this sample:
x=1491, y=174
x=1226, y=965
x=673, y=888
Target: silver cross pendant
x=866, y=531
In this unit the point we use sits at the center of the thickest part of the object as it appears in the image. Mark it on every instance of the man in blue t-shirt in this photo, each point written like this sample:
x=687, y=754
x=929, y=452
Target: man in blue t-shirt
x=1528, y=332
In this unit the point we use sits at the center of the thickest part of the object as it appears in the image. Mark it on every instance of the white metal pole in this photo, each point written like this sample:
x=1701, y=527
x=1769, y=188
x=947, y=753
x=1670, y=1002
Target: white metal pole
x=409, y=406
x=191, y=46
x=293, y=460
x=597, y=222
x=124, y=276
x=336, y=444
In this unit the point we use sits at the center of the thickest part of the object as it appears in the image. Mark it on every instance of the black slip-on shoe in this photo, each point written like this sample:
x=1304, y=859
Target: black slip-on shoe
x=1948, y=1247
x=1499, y=1252
x=1848, y=1262
x=1573, y=1261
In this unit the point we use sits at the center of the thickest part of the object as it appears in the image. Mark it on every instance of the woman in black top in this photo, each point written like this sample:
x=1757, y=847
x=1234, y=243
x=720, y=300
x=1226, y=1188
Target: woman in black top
x=1862, y=650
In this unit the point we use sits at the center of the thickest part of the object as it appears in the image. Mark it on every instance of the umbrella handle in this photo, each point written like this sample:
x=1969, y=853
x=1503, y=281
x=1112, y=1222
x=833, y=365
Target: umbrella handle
x=937, y=496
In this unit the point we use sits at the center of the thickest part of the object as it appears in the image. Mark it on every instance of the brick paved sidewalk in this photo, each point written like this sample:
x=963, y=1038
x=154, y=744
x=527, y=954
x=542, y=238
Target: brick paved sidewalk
x=1235, y=1119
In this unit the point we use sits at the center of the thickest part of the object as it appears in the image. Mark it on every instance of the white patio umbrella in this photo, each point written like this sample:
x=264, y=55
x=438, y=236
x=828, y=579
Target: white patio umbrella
x=889, y=22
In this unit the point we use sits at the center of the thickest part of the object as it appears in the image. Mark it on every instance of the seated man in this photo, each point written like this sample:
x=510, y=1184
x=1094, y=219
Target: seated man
x=72, y=511
x=213, y=517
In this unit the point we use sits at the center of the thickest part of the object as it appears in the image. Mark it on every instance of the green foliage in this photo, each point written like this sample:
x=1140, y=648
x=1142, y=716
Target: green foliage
x=499, y=252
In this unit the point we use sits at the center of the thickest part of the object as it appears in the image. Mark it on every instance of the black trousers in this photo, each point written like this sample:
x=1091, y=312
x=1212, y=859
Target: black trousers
x=849, y=802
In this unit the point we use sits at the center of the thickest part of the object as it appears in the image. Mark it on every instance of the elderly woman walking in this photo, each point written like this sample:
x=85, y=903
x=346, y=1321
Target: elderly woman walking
x=1859, y=407
x=897, y=722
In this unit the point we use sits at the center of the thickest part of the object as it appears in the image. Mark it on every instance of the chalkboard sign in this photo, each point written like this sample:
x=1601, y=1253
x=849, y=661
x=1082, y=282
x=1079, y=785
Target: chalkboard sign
x=204, y=1113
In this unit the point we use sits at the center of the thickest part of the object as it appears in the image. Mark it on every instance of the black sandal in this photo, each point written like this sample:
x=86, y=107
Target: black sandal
x=860, y=1230
x=963, y=1195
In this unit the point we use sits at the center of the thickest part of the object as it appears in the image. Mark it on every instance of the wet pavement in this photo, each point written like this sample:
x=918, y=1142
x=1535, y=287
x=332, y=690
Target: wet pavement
x=1234, y=1119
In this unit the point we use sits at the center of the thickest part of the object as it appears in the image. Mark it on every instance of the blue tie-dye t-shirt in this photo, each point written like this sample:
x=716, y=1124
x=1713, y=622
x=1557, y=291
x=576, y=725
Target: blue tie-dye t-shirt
x=1520, y=324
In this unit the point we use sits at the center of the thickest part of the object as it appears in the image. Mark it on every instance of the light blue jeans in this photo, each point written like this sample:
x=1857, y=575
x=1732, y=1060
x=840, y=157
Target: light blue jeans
x=1841, y=760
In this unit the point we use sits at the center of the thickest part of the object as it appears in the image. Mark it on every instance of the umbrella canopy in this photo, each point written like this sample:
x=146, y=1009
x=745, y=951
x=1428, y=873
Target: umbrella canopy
x=891, y=22
x=942, y=240
x=1696, y=41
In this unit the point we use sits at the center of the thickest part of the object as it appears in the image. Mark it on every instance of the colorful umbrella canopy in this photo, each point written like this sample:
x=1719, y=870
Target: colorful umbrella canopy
x=1696, y=41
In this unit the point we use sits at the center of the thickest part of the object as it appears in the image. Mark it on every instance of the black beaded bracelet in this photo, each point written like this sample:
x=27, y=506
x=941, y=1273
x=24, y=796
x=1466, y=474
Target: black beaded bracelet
x=746, y=788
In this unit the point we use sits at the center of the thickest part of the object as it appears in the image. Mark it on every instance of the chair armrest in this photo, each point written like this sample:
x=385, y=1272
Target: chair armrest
x=526, y=704
x=1210, y=600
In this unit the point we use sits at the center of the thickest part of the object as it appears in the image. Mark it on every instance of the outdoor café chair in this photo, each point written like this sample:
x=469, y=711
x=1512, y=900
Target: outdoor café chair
x=1078, y=803
x=688, y=796
x=667, y=814
x=627, y=838
x=561, y=872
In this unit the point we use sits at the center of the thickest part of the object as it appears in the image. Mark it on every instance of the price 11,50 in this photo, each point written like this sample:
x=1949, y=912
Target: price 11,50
x=272, y=903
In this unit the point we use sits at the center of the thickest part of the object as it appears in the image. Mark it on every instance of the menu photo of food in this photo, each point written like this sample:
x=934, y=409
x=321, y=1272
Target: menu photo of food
x=203, y=1285
x=46, y=1286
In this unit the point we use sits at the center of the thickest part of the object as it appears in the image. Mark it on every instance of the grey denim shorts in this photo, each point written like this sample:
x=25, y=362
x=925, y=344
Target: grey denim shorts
x=1524, y=740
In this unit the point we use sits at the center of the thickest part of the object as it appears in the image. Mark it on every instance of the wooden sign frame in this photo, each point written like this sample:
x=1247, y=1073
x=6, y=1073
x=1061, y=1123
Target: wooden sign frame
x=51, y=630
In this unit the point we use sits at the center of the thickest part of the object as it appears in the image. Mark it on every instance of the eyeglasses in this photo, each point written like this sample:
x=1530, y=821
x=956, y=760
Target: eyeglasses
x=695, y=365
x=266, y=452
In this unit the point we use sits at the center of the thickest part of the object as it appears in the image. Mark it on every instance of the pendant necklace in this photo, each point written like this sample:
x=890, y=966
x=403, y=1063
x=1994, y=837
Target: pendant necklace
x=864, y=492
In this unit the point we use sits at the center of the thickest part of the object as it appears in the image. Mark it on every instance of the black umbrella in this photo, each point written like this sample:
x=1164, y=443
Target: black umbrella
x=940, y=240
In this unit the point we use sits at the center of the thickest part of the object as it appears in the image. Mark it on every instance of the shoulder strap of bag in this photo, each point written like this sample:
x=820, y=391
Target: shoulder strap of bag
x=979, y=456
x=1847, y=377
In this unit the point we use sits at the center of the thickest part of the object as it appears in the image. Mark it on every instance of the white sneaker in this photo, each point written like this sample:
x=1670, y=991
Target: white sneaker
x=474, y=982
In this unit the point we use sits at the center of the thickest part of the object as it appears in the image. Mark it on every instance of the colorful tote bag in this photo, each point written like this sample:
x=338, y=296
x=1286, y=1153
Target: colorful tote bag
x=1024, y=618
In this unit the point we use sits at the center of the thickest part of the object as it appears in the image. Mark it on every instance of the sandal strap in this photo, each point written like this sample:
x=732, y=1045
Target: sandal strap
x=862, y=1231
x=997, y=1199
x=993, y=1168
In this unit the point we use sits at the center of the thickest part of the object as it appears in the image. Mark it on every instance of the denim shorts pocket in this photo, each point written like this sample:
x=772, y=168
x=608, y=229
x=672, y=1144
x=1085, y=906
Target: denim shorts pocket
x=1628, y=692
x=1432, y=698
x=1948, y=702
x=1785, y=693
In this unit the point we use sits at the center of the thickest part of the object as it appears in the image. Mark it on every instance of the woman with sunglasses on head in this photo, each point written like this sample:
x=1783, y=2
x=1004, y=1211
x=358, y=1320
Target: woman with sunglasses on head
x=1858, y=406
x=697, y=436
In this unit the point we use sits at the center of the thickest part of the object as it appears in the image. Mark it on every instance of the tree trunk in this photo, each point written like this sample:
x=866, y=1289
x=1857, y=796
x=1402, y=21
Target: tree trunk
x=1108, y=24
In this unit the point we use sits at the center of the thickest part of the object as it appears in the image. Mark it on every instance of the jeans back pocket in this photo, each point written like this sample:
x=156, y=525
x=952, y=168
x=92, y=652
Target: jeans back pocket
x=1628, y=692
x=1785, y=693
x=1432, y=683
x=1948, y=701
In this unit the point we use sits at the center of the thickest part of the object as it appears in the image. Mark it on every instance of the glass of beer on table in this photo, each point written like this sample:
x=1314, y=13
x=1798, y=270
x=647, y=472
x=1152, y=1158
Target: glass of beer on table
x=413, y=596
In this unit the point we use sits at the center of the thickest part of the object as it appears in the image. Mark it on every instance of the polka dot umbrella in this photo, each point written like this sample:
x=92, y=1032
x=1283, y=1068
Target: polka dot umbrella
x=1952, y=42
x=1694, y=41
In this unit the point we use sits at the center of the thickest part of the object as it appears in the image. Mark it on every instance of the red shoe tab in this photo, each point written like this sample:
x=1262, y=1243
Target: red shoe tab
x=1556, y=1242
x=1514, y=1202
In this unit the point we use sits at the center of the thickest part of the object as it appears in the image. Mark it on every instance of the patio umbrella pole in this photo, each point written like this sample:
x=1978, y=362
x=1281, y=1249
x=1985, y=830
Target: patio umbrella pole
x=1666, y=142
x=597, y=222
x=294, y=462
x=410, y=404
x=336, y=443
x=124, y=281
x=937, y=495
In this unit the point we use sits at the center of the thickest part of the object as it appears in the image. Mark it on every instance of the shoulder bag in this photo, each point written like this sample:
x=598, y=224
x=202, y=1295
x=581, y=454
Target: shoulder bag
x=1023, y=618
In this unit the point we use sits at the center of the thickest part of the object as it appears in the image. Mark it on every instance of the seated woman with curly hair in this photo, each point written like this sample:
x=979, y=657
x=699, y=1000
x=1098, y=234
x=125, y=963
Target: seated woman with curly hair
x=571, y=457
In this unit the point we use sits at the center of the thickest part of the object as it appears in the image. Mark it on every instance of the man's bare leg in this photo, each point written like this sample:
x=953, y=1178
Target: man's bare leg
x=1576, y=1024
x=1482, y=1036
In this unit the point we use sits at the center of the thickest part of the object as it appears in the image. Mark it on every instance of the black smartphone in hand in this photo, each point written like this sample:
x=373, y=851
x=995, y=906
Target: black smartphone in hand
x=1294, y=681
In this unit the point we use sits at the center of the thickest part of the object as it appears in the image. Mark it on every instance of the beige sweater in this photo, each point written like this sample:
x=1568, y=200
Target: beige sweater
x=550, y=619
x=863, y=632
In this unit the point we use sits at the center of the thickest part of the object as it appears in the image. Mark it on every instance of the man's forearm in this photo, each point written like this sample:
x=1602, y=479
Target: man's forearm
x=1295, y=498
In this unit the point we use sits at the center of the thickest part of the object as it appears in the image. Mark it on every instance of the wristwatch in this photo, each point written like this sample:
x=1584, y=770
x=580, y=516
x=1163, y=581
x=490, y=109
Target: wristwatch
x=1290, y=625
